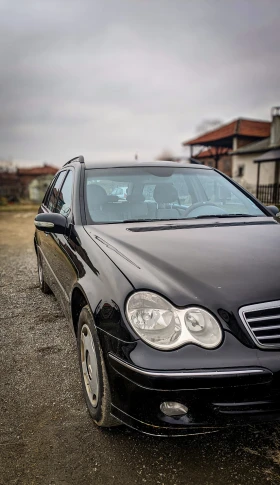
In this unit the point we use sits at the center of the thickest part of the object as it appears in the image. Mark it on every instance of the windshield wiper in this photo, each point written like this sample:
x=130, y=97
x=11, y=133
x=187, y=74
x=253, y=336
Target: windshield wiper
x=138, y=220
x=208, y=216
x=150, y=220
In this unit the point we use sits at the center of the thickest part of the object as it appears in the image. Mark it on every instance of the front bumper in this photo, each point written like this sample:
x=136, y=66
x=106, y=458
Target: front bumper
x=216, y=398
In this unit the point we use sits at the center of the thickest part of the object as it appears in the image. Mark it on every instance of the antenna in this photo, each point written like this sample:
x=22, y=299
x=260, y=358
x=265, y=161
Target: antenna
x=136, y=156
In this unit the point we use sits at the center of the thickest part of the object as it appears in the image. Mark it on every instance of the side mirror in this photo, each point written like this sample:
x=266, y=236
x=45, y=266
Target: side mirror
x=55, y=223
x=274, y=210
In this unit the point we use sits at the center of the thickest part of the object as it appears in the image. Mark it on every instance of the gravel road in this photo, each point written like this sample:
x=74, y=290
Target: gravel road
x=47, y=436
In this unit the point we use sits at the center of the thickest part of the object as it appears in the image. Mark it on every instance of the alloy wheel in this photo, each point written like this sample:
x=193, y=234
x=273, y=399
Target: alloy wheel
x=40, y=271
x=89, y=365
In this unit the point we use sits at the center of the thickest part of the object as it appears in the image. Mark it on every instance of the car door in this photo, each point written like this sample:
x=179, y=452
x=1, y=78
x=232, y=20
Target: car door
x=45, y=240
x=58, y=255
x=64, y=259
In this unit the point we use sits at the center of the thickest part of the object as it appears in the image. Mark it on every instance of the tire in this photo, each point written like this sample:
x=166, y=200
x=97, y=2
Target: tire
x=95, y=382
x=43, y=285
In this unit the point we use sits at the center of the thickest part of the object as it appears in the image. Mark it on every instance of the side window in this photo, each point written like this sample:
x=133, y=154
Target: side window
x=64, y=201
x=48, y=191
x=51, y=202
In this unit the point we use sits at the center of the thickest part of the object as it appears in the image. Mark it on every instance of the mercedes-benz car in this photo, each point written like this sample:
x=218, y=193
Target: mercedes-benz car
x=173, y=293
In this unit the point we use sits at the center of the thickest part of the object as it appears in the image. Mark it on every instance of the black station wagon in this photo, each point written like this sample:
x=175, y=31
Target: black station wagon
x=173, y=293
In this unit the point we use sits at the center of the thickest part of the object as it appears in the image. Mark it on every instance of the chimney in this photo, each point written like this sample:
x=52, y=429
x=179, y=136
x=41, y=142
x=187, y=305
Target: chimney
x=275, y=127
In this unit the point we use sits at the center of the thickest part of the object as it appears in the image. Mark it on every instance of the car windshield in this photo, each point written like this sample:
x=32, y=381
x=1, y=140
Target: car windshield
x=162, y=193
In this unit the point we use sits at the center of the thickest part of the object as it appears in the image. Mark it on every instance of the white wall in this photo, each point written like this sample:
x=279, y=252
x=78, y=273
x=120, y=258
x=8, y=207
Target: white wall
x=249, y=179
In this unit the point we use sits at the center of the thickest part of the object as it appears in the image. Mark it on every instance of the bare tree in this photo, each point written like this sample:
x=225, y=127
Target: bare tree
x=166, y=155
x=6, y=166
x=208, y=125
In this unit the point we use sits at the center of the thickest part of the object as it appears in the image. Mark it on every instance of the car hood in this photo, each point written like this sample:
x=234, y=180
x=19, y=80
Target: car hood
x=224, y=264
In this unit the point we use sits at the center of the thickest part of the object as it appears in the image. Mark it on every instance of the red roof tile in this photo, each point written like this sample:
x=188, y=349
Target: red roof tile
x=239, y=127
x=45, y=170
x=258, y=129
x=8, y=176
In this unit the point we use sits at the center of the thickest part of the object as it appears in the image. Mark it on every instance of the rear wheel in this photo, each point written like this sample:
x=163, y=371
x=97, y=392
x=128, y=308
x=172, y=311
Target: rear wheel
x=93, y=372
x=43, y=285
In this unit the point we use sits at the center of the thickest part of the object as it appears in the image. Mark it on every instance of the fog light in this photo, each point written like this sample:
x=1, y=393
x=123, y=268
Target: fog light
x=170, y=408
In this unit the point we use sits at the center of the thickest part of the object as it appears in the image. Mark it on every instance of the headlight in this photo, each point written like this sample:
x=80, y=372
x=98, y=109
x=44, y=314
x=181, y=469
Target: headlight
x=203, y=327
x=166, y=327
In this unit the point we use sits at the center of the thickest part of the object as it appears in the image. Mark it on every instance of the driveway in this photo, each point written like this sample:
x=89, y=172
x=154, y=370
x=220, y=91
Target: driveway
x=47, y=437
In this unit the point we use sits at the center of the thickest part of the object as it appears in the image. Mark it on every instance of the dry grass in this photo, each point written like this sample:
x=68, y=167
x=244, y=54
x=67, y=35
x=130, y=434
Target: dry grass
x=19, y=208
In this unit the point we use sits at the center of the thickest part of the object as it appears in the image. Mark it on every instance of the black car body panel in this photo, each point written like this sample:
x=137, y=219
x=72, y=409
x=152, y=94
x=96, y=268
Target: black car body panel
x=203, y=266
x=219, y=265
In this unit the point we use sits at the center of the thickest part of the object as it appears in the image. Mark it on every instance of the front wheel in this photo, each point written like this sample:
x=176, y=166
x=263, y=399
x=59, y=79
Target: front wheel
x=93, y=372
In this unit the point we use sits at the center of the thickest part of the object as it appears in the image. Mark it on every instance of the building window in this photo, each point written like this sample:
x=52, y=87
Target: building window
x=240, y=171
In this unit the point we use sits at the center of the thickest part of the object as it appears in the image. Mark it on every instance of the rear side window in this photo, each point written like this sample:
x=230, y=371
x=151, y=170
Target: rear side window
x=53, y=195
x=64, y=201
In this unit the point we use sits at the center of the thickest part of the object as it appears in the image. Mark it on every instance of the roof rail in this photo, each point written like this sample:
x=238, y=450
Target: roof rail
x=79, y=159
x=193, y=160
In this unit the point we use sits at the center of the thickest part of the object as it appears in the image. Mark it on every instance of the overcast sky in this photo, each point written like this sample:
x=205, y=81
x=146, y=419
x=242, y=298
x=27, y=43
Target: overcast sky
x=108, y=78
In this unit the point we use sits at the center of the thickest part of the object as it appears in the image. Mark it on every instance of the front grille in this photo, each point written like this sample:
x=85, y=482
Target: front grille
x=263, y=323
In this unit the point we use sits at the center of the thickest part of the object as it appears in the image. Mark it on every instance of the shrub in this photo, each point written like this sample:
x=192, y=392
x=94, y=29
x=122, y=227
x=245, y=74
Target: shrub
x=3, y=201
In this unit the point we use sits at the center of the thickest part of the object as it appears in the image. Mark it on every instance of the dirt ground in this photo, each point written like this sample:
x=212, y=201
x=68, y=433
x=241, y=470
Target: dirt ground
x=47, y=436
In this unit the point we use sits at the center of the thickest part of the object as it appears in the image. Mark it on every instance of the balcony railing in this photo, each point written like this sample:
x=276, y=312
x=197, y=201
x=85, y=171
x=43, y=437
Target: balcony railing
x=269, y=194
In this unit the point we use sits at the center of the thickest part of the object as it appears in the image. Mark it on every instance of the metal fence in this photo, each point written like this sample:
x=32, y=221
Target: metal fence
x=269, y=194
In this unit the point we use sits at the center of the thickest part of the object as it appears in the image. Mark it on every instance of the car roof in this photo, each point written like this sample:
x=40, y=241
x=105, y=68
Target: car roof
x=133, y=164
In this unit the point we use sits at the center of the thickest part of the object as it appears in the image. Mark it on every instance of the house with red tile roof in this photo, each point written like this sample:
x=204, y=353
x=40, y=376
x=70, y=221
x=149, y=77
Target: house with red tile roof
x=21, y=183
x=214, y=146
x=256, y=165
x=42, y=174
x=237, y=148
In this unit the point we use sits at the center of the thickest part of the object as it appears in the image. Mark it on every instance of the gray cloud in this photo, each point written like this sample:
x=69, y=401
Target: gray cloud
x=108, y=78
